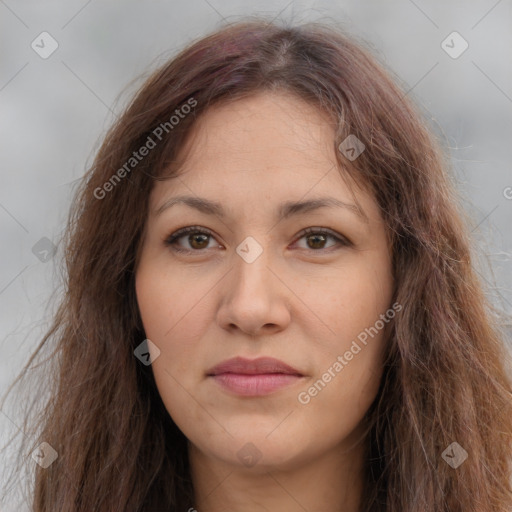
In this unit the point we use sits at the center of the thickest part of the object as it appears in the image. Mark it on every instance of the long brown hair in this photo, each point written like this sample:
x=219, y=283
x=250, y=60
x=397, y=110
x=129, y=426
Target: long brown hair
x=445, y=378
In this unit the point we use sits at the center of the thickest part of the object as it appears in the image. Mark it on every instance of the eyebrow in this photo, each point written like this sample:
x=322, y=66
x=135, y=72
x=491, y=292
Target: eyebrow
x=286, y=209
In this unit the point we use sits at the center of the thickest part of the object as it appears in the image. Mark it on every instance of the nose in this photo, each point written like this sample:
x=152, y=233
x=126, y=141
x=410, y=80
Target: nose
x=254, y=298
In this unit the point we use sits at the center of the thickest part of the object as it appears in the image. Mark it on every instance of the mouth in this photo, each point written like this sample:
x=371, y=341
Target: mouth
x=255, y=377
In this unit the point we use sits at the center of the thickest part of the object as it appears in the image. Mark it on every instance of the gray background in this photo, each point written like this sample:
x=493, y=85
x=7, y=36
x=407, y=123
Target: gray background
x=55, y=111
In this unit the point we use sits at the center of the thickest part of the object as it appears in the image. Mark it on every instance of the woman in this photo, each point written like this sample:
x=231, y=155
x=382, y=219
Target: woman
x=270, y=302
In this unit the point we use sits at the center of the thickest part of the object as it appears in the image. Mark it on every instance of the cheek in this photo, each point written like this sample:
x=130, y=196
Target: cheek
x=354, y=299
x=152, y=298
x=168, y=306
x=349, y=370
x=173, y=324
x=345, y=384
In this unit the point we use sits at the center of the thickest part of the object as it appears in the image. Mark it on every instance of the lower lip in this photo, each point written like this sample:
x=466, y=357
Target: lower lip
x=255, y=385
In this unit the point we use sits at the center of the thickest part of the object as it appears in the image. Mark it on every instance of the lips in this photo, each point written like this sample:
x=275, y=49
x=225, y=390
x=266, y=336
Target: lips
x=260, y=366
x=256, y=377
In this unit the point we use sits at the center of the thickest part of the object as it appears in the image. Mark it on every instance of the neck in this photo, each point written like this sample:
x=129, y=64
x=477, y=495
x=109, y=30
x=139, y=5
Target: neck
x=330, y=483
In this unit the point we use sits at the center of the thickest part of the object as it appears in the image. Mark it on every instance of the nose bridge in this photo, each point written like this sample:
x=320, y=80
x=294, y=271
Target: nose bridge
x=251, y=263
x=253, y=299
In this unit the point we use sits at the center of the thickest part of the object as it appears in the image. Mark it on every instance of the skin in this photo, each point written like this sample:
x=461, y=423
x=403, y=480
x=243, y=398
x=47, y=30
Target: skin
x=300, y=301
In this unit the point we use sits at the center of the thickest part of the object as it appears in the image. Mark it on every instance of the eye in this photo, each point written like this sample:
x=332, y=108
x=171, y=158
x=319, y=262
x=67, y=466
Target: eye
x=198, y=239
x=316, y=238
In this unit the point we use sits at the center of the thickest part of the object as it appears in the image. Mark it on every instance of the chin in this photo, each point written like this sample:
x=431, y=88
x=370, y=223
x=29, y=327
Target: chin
x=259, y=453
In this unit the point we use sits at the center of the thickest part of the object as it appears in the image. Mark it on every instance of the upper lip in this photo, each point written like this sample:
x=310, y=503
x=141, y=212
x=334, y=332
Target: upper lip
x=258, y=366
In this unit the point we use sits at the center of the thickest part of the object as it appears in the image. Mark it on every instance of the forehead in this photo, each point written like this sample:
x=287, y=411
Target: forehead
x=271, y=127
x=270, y=146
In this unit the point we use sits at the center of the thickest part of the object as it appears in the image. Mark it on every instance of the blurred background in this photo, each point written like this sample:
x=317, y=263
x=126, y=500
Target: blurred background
x=67, y=68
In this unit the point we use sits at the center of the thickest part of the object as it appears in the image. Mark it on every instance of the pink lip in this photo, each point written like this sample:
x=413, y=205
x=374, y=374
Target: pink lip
x=254, y=377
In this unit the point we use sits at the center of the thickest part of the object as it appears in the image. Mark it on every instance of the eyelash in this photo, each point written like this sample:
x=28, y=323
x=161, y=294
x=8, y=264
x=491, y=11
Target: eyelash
x=174, y=237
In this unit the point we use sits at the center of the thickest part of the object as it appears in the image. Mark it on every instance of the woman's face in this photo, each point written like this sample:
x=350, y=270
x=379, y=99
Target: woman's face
x=249, y=283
